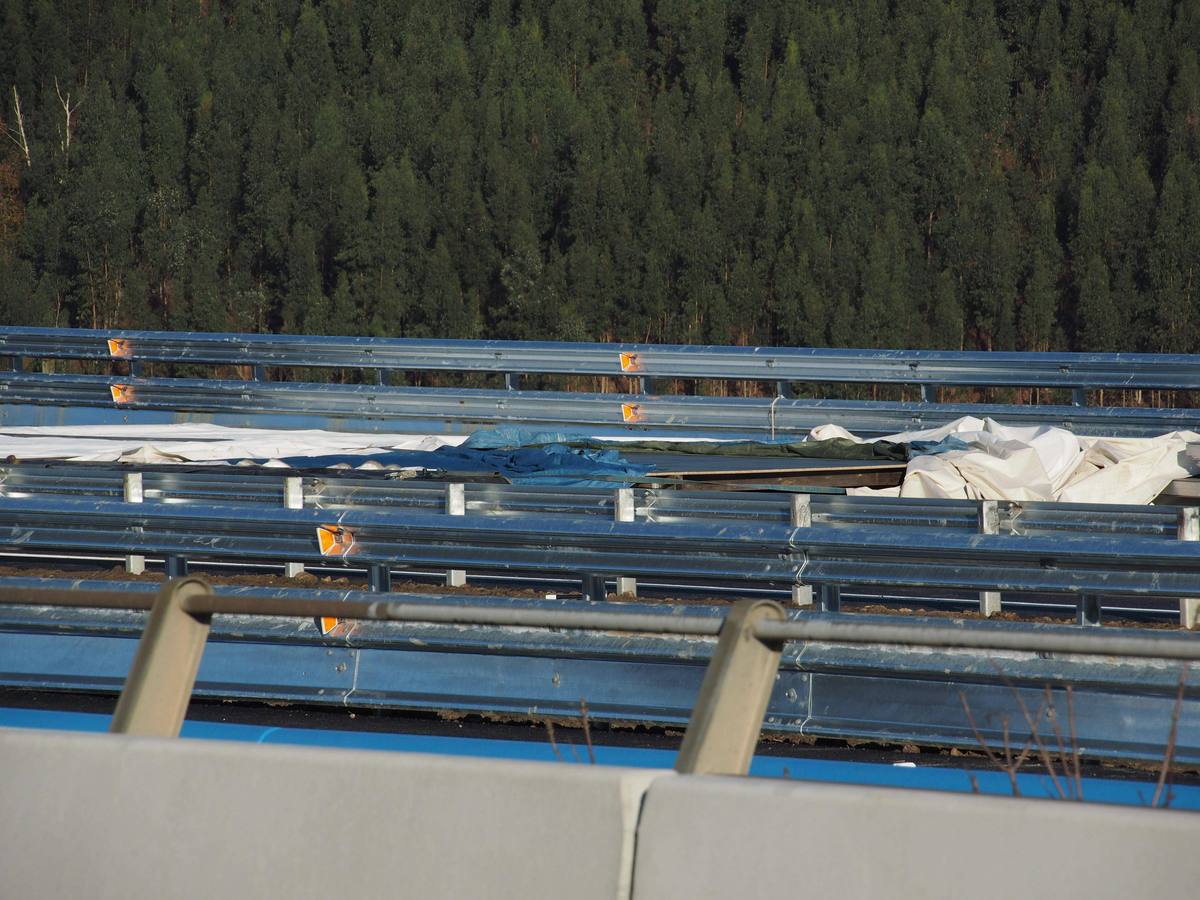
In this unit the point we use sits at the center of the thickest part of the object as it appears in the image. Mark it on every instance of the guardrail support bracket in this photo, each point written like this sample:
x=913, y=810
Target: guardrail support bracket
x=135, y=563
x=456, y=505
x=989, y=523
x=1189, y=530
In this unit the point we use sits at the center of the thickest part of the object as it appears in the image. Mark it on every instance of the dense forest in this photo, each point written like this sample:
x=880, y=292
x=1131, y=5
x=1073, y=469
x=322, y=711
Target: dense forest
x=996, y=175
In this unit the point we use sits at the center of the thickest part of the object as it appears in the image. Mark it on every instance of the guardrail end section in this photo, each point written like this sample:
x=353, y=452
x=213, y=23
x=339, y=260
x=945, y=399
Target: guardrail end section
x=727, y=719
x=159, y=685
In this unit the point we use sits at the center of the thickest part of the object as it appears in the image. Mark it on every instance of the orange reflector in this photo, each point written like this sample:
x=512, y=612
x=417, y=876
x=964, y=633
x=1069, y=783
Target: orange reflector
x=327, y=624
x=631, y=412
x=629, y=362
x=118, y=348
x=122, y=393
x=334, y=540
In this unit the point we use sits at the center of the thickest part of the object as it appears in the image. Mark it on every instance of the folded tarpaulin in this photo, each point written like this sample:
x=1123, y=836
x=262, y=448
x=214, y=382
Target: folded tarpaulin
x=982, y=459
x=196, y=442
x=554, y=464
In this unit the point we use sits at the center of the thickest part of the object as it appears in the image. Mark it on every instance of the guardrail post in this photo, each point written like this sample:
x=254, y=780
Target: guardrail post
x=1078, y=397
x=1087, y=611
x=1189, y=530
x=456, y=505
x=293, y=498
x=16, y=363
x=176, y=566
x=625, y=510
x=930, y=393
x=379, y=575
x=594, y=587
x=800, y=515
x=155, y=697
x=989, y=523
x=512, y=381
x=829, y=598
x=727, y=719
x=784, y=389
x=135, y=564
x=260, y=373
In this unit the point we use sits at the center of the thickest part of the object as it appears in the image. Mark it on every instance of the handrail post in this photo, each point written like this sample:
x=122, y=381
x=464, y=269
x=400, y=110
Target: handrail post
x=989, y=523
x=625, y=510
x=159, y=686
x=1189, y=530
x=800, y=516
x=727, y=719
x=456, y=505
x=293, y=498
x=135, y=564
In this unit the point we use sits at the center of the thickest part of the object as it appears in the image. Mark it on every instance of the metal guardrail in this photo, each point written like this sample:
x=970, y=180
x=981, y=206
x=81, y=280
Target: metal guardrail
x=354, y=491
x=224, y=485
x=1084, y=371
x=801, y=555
x=872, y=692
x=728, y=714
x=461, y=410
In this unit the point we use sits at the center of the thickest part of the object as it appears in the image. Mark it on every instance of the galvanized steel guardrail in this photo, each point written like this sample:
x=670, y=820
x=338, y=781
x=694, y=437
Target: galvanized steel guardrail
x=726, y=719
x=223, y=485
x=462, y=410
x=874, y=692
x=803, y=556
x=1083, y=371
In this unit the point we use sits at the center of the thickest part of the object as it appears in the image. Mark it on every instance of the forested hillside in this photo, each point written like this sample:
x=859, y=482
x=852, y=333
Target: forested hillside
x=945, y=174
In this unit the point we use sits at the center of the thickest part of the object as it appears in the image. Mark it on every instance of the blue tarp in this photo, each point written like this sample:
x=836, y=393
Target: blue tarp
x=526, y=456
x=551, y=464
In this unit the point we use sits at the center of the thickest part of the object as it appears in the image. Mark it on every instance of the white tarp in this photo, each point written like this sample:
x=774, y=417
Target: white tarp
x=194, y=442
x=1003, y=462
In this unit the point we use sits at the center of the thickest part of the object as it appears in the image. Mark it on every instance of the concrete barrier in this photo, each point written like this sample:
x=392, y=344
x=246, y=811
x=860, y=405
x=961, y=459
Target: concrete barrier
x=736, y=837
x=102, y=816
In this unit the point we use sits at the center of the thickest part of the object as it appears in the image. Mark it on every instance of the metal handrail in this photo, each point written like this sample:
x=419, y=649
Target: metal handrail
x=461, y=410
x=726, y=720
x=1089, y=371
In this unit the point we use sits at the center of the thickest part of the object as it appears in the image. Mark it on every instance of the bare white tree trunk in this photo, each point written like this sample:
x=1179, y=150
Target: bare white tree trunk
x=68, y=110
x=19, y=138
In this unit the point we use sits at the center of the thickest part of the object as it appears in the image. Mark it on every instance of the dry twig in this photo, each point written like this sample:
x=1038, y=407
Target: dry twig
x=553, y=743
x=1169, y=756
x=587, y=730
